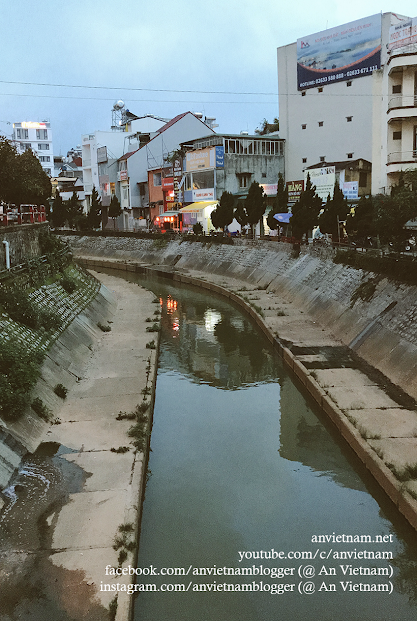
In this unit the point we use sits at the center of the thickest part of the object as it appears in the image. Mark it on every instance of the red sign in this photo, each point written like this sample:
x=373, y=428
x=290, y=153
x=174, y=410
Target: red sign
x=168, y=183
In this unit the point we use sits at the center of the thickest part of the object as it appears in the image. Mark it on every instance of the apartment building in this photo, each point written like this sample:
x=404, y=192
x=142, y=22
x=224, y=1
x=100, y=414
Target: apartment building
x=36, y=136
x=347, y=93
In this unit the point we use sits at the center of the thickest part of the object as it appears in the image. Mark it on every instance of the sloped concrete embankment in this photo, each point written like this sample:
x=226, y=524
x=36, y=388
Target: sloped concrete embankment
x=107, y=375
x=312, y=310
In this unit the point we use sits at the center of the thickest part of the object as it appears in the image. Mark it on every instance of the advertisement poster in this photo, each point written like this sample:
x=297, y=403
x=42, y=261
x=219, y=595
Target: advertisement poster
x=344, y=53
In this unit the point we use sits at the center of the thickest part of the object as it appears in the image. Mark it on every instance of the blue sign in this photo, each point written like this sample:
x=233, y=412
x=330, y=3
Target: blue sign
x=219, y=157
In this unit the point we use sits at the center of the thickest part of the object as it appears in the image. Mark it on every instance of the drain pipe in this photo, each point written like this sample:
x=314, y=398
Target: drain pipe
x=6, y=253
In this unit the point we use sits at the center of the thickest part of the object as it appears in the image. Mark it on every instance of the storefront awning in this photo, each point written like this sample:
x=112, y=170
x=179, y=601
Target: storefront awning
x=198, y=206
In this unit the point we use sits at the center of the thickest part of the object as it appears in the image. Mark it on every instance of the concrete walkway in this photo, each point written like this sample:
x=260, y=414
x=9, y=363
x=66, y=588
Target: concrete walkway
x=85, y=528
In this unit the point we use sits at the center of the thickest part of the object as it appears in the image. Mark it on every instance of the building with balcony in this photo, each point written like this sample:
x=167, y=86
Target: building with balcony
x=36, y=136
x=349, y=93
x=395, y=109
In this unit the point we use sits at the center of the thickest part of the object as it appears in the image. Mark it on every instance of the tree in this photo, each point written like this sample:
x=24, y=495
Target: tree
x=240, y=214
x=335, y=211
x=59, y=211
x=268, y=128
x=94, y=215
x=222, y=216
x=392, y=212
x=74, y=211
x=255, y=204
x=280, y=204
x=361, y=223
x=8, y=166
x=32, y=184
x=305, y=211
x=115, y=209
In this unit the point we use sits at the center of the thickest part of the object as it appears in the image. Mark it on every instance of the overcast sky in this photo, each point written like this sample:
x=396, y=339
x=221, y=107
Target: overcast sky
x=147, y=52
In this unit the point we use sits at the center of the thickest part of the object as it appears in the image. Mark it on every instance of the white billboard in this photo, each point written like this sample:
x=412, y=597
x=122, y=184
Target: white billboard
x=323, y=179
x=338, y=54
x=403, y=34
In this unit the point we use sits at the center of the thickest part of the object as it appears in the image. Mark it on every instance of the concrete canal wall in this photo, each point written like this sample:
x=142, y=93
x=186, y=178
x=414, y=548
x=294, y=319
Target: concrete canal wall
x=378, y=323
x=312, y=312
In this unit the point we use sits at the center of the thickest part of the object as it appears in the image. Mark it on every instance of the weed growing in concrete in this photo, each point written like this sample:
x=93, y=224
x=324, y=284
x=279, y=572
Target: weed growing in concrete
x=151, y=345
x=364, y=291
x=126, y=528
x=103, y=328
x=153, y=328
x=281, y=313
x=61, y=391
x=141, y=408
x=157, y=312
x=113, y=609
x=121, y=449
x=68, y=283
x=155, y=301
x=379, y=452
x=148, y=319
x=126, y=416
x=122, y=556
x=258, y=310
x=146, y=391
x=407, y=473
x=41, y=409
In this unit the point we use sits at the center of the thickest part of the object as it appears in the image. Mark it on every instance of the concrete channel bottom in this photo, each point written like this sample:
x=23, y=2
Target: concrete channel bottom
x=377, y=419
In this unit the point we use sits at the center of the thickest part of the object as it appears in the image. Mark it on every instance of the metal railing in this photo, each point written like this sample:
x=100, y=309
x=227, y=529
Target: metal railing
x=398, y=157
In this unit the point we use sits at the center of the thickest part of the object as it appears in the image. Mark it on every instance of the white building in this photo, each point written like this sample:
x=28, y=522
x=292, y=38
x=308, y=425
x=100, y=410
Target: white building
x=36, y=136
x=335, y=90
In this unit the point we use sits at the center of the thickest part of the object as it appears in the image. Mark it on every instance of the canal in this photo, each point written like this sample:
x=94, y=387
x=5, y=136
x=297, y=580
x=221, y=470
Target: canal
x=245, y=476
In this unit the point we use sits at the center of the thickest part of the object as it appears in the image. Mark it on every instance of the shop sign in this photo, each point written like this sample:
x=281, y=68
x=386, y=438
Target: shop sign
x=323, y=179
x=350, y=189
x=270, y=189
x=294, y=190
x=203, y=195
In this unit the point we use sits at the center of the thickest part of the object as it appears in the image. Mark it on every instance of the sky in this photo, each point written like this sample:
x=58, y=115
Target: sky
x=67, y=63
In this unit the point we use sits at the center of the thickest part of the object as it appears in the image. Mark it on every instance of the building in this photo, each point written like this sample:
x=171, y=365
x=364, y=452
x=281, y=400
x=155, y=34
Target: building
x=336, y=98
x=36, y=136
x=228, y=163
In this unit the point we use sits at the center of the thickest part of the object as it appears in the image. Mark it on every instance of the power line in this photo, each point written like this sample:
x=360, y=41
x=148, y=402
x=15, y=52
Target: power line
x=131, y=88
x=139, y=100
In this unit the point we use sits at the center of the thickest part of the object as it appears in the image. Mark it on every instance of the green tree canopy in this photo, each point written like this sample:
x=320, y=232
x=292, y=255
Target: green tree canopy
x=335, y=211
x=255, y=204
x=115, y=209
x=305, y=211
x=59, y=211
x=240, y=214
x=222, y=216
x=361, y=223
x=8, y=170
x=94, y=215
x=32, y=184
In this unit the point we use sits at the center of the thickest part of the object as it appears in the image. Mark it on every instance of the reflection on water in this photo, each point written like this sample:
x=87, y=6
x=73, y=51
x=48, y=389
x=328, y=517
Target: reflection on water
x=241, y=462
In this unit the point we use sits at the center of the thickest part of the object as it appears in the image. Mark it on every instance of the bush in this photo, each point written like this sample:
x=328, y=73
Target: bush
x=19, y=371
x=41, y=409
x=24, y=310
x=69, y=284
x=61, y=391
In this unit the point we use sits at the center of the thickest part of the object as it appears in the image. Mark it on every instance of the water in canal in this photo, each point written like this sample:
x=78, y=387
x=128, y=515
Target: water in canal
x=241, y=466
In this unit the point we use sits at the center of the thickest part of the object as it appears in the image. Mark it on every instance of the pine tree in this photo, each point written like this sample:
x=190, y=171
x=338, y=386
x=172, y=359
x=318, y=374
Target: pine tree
x=335, y=211
x=94, y=215
x=280, y=204
x=255, y=204
x=59, y=212
x=222, y=216
x=115, y=209
x=305, y=211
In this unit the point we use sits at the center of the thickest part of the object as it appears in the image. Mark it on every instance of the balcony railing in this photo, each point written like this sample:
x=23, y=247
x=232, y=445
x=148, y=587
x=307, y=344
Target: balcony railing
x=402, y=157
x=411, y=48
x=402, y=101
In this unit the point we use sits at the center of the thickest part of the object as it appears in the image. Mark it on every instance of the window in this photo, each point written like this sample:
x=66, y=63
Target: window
x=304, y=160
x=303, y=94
x=18, y=133
x=25, y=134
x=396, y=135
x=263, y=175
x=349, y=119
x=363, y=179
x=26, y=146
x=304, y=126
x=43, y=147
x=350, y=156
x=42, y=134
x=349, y=83
x=322, y=158
x=244, y=180
x=44, y=158
x=157, y=179
x=320, y=123
x=396, y=88
x=320, y=90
